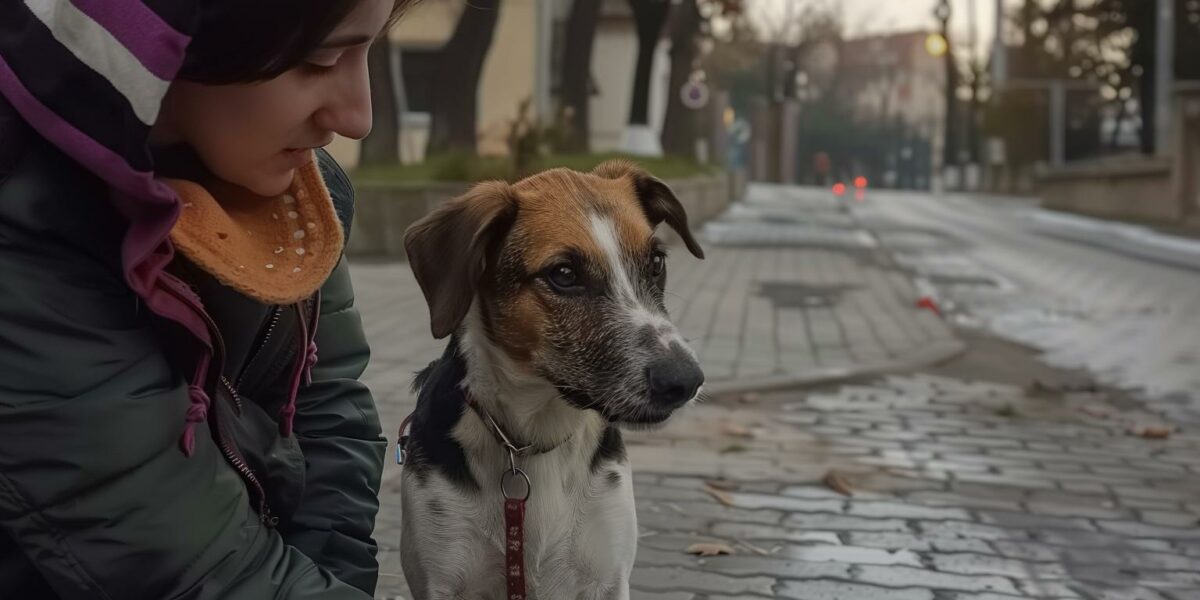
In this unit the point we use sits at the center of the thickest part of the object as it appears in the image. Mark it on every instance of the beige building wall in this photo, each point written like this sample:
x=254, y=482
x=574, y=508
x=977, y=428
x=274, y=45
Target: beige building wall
x=509, y=72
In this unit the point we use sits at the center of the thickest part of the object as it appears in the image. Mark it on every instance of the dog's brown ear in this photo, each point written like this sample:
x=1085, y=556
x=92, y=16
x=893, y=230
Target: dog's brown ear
x=448, y=250
x=659, y=203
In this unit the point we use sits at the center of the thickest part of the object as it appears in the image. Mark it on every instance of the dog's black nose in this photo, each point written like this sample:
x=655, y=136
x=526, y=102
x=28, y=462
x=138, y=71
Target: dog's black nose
x=674, y=380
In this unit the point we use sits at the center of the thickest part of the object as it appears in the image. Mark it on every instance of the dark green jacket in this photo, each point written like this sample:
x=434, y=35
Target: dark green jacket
x=97, y=501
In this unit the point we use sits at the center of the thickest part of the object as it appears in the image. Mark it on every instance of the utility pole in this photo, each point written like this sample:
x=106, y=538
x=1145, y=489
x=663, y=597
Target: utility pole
x=1164, y=75
x=950, y=145
x=976, y=74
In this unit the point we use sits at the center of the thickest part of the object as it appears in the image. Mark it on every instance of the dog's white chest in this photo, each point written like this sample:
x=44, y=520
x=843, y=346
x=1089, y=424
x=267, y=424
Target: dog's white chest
x=580, y=535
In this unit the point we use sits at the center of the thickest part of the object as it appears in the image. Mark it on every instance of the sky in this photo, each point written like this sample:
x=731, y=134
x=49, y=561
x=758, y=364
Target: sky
x=875, y=16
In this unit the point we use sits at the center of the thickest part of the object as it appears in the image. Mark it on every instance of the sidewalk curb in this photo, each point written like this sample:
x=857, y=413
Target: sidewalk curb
x=935, y=353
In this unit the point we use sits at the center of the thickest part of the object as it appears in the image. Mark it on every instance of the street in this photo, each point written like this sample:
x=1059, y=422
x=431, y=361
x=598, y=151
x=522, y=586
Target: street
x=854, y=445
x=1129, y=320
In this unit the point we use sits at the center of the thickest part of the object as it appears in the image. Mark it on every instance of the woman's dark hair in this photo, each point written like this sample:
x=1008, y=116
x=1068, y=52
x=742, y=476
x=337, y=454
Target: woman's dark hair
x=242, y=41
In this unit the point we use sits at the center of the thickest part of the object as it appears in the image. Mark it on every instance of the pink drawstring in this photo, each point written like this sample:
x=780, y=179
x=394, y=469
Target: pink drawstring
x=198, y=405
x=310, y=361
x=303, y=374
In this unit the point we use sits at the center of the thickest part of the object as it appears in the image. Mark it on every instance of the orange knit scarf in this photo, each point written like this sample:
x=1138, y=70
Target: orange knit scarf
x=276, y=250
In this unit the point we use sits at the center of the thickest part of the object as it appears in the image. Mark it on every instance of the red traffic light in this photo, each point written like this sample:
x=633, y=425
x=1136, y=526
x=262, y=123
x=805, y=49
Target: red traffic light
x=860, y=182
x=839, y=189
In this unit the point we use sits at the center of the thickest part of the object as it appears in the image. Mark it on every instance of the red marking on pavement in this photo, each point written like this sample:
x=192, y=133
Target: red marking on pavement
x=929, y=304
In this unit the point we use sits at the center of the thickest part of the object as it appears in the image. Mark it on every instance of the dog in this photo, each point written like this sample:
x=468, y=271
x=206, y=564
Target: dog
x=551, y=292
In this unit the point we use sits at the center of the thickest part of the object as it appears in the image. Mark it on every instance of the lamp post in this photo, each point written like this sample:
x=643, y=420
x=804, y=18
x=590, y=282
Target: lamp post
x=949, y=145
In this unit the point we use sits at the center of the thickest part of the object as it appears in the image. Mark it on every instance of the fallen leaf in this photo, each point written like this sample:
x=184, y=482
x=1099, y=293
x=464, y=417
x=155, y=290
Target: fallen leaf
x=721, y=496
x=710, y=549
x=836, y=482
x=749, y=398
x=1151, y=432
x=735, y=430
x=723, y=484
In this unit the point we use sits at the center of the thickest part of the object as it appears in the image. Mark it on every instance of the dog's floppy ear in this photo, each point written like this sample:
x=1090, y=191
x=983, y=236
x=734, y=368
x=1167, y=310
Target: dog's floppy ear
x=658, y=201
x=448, y=250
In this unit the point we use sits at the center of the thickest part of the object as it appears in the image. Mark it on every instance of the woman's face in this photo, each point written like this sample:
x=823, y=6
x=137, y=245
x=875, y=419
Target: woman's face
x=256, y=135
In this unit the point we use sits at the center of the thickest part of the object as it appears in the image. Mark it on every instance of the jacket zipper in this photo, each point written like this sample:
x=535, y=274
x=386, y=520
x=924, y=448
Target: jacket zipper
x=233, y=394
x=235, y=459
x=276, y=312
x=227, y=449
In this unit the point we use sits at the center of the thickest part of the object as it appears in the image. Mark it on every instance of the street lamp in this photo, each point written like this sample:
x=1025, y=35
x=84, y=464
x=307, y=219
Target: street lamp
x=949, y=148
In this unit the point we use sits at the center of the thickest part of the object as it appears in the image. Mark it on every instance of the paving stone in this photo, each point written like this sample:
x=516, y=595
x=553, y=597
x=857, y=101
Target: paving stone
x=851, y=555
x=1034, y=522
x=837, y=590
x=910, y=577
x=979, y=564
x=636, y=594
x=784, y=503
x=757, y=533
x=964, y=529
x=951, y=499
x=775, y=566
x=896, y=510
x=683, y=579
x=1170, y=518
x=1134, y=529
x=843, y=523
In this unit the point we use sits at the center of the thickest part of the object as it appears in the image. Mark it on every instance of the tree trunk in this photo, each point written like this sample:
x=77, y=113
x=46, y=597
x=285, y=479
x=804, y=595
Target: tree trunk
x=679, y=128
x=649, y=17
x=456, y=83
x=382, y=145
x=577, y=71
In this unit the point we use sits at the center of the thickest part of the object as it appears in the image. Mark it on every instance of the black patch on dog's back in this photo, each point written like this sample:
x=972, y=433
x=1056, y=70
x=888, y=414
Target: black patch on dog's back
x=610, y=449
x=440, y=404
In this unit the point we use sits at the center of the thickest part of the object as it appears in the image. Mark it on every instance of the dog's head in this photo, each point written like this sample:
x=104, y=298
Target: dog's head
x=567, y=278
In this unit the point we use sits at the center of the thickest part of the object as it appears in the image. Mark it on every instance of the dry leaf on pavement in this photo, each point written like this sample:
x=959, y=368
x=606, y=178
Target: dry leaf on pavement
x=723, y=484
x=836, y=482
x=749, y=398
x=721, y=496
x=735, y=430
x=710, y=549
x=1152, y=432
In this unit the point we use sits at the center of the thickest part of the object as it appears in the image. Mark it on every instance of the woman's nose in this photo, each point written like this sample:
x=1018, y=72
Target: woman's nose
x=348, y=110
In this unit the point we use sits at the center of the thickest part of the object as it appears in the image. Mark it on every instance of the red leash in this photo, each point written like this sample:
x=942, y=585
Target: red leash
x=514, y=503
x=514, y=547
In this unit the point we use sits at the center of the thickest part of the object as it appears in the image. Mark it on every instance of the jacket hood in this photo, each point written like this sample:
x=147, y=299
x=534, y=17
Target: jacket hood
x=89, y=76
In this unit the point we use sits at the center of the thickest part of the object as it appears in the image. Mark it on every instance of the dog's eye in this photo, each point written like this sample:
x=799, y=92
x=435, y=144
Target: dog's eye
x=658, y=264
x=563, y=277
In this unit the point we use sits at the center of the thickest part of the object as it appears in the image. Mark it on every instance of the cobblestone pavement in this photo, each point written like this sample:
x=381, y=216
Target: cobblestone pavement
x=962, y=490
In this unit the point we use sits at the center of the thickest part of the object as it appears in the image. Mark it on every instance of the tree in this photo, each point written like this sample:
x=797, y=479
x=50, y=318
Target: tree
x=577, y=71
x=456, y=83
x=649, y=17
x=679, y=126
x=381, y=146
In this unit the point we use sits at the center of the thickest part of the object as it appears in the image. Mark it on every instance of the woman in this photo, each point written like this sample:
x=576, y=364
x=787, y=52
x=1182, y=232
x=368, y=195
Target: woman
x=169, y=242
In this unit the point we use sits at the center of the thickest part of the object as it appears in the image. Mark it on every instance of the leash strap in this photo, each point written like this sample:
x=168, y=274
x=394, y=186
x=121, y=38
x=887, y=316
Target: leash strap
x=514, y=525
